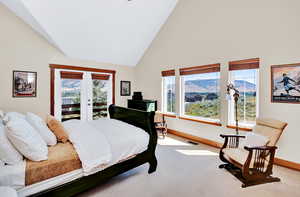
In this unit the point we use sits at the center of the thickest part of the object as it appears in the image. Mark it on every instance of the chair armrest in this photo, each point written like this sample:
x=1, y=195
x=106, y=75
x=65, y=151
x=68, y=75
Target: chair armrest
x=260, y=163
x=235, y=136
x=260, y=148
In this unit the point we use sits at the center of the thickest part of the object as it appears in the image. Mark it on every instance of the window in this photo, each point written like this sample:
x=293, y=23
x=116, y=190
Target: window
x=71, y=95
x=168, y=91
x=200, y=92
x=244, y=76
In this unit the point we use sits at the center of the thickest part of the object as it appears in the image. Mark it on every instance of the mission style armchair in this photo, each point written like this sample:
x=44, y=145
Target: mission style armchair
x=252, y=165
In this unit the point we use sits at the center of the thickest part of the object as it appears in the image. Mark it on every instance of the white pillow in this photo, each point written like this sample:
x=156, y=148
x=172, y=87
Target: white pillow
x=253, y=139
x=12, y=115
x=27, y=140
x=42, y=128
x=8, y=153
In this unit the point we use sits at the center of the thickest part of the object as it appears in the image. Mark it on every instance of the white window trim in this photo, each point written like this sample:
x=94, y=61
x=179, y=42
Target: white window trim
x=231, y=114
x=164, y=101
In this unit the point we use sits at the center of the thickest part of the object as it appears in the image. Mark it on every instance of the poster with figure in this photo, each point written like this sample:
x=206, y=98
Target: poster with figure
x=285, y=83
x=24, y=84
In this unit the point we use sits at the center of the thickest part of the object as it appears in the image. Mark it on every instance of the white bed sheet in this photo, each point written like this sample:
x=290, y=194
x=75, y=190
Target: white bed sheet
x=13, y=175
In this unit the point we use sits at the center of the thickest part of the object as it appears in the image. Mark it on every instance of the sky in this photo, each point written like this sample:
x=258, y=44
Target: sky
x=246, y=75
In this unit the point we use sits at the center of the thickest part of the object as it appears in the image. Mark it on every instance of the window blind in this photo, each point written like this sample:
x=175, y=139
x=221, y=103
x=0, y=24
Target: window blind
x=100, y=76
x=71, y=75
x=244, y=64
x=200, y=69
x=167, y=73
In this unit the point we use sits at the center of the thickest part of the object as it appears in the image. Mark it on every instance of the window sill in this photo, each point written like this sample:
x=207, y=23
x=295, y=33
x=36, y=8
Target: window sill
x=169, y=115
x=240, y=128
x=201, y=121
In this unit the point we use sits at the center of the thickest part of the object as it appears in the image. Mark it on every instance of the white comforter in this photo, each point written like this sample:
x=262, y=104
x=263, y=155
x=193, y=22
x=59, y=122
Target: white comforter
x=125, y=140
x=90, y=144
x=99, y=144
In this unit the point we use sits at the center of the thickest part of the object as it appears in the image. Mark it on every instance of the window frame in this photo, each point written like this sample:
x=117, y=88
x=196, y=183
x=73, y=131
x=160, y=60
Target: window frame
x=55, y=68
x=196, y=70
x=164, y=105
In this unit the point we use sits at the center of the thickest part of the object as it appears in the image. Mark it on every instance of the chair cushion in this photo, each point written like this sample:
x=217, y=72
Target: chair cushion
x=254, y=139
x=271, y=133
x=276, y=124
x=239, y=155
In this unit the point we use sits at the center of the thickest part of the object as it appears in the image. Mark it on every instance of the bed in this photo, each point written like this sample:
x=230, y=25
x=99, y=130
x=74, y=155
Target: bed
x=63, y=175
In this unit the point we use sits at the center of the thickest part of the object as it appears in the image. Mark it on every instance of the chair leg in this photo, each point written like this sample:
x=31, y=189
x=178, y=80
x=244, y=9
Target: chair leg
x=268, y=179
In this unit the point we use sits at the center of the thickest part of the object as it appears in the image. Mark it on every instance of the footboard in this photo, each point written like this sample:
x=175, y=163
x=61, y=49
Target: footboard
x=138, y=118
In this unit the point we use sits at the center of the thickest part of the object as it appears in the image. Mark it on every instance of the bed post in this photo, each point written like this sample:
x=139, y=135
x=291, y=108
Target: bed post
x=143, y=120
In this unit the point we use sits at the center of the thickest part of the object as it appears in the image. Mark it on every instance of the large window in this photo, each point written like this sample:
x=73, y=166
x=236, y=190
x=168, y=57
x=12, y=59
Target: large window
x=169, y=95
x=244, y=76
x=200, y=92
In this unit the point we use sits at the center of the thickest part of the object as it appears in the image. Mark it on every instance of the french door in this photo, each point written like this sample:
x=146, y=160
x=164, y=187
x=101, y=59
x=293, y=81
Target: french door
x=82, y=95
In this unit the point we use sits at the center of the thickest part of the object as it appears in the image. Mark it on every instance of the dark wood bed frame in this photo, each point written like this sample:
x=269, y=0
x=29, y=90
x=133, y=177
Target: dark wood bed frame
x=141, y=119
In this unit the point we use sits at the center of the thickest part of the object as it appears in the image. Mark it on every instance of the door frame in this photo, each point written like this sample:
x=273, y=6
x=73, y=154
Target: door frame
x=77, y=68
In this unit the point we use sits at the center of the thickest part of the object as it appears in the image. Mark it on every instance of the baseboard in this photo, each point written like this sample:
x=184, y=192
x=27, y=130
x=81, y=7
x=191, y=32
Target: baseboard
x=287, y=164
x=195, y=138
x=277, y=161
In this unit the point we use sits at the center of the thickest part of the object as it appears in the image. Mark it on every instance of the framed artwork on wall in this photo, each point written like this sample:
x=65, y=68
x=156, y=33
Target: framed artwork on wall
x=24, y=84
x=285, y=80
x=125, y=88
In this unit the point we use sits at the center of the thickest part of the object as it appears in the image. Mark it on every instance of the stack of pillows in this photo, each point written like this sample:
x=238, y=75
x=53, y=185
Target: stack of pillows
x=29, y=136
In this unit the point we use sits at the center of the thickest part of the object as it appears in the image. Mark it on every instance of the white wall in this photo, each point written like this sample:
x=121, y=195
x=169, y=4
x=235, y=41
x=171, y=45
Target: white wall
x=203, y=32
x=21, y=48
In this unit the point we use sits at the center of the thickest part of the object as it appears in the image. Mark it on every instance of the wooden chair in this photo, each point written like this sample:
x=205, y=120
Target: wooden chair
x=160, y=124
x=252, y=165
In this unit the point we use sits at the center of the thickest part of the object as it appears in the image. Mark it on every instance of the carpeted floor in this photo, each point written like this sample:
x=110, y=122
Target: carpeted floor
x=191, y=170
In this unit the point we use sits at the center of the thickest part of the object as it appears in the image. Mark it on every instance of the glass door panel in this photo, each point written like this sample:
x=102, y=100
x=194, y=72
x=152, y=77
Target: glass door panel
x=100, y=95
x=71, y=99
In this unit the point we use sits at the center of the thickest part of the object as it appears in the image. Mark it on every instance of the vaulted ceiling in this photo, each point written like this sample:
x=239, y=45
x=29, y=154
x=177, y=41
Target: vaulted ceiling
x=112, y=31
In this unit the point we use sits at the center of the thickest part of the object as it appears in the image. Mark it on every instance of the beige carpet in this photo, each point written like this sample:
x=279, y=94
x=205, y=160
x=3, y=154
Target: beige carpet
x=187, y=170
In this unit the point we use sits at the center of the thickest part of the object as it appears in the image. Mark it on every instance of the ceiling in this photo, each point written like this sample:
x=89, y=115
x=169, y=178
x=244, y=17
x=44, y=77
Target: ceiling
x=112, y=31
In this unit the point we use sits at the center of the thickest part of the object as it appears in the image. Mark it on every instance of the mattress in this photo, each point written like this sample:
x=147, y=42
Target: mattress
x=62, y=158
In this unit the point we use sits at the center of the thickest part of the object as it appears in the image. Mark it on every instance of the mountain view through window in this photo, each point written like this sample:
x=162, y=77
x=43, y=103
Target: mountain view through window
x=245, y=82
x=202, y=95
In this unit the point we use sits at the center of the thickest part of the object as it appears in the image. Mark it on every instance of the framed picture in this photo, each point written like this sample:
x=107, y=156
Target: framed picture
x=285, y=80
x=125, y=88
x=24, y=84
